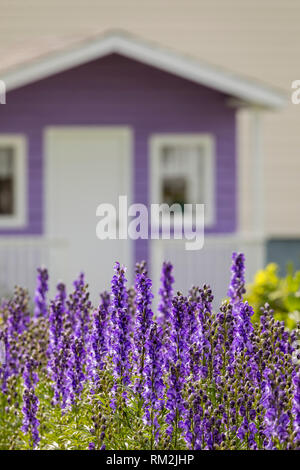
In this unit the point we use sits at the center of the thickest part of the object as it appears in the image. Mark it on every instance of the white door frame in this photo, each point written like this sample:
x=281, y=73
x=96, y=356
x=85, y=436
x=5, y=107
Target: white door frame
x=125, y=133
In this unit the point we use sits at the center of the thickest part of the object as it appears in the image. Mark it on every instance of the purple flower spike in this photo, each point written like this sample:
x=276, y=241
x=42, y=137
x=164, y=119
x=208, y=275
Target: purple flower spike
x=55, y=325
x=31, y=402
x=154, y=387
x=61, y=293
x=98, y=339
x=40, y=293
x=120, y=329
x=296, y=405
x=237, y=284
x=194, y=378
x=243, y=329
x=17, y=322
x=166, y=294
x=178, y=362
x=143, y=323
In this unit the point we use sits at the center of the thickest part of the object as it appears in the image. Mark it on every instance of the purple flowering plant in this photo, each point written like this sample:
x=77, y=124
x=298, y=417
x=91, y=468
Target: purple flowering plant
x=124, y=375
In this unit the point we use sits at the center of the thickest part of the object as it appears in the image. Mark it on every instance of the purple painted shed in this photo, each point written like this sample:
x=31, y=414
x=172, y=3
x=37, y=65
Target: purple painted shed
x=151, y=98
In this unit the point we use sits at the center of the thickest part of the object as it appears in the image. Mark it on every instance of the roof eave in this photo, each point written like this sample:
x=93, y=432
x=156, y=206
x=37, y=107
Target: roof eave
x=185, y=67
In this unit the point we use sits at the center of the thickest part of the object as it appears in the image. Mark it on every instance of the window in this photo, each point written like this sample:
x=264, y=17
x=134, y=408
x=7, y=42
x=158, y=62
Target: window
x=182, y=171
x=12, y=181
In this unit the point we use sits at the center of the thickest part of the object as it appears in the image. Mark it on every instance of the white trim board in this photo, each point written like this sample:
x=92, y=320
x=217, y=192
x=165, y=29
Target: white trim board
x=19, y=218
x=157, y=141
x=186, y=67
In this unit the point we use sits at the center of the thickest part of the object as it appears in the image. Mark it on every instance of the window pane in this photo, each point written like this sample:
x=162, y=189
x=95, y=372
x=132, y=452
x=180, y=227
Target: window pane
x=182, y=174
x=6, y=181
x=174, y=191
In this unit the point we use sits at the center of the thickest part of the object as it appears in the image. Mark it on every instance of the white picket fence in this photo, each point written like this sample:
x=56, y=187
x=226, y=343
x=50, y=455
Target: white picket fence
x=20, y=257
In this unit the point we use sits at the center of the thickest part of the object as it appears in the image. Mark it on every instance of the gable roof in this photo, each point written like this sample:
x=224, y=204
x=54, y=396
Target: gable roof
x=45, y=65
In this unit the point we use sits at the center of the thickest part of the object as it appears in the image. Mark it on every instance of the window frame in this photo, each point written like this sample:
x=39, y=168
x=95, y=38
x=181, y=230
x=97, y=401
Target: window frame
x=19, y=218
x=207, y=141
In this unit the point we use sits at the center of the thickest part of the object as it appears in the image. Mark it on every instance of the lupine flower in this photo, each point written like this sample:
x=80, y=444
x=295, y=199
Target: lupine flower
x=194, y=422
x=76, y=365
x=41, y=293
x=61, y=293
x=31, y=402
x=131, y=293
x=194, y=377
x=74, y=304
x=58, y=367
x=98, y=429
x=55, y=325
x=18, y=313
x=205, y=330
x=143, y=322
x=192, y=338
x=296, y=407
x=120, y=319
x=177, y=364
x=243, y=329
x=237, y=283
x=166, y=295
x=154, y=387
x=98, y=338
x=82, y=307
x=17, y=322
x=59, y=353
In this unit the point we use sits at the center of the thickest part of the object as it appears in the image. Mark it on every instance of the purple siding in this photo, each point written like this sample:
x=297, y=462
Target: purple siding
x=118, y=91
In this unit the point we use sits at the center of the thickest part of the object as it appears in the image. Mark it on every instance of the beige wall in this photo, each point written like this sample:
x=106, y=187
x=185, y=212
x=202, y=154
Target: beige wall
x=256, y=38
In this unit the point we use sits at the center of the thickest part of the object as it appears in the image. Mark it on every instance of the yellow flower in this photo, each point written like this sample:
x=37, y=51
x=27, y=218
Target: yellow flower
x=267, y=275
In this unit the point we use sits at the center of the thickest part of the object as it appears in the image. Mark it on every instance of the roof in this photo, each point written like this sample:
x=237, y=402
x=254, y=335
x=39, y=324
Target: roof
x=41, y=64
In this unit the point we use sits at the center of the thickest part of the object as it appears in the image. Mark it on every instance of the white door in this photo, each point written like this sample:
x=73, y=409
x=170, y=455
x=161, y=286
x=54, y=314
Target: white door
x=85, y=167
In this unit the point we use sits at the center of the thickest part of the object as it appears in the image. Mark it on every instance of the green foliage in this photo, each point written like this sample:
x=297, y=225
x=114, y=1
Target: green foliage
x=281, y=293
x=73, y=428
